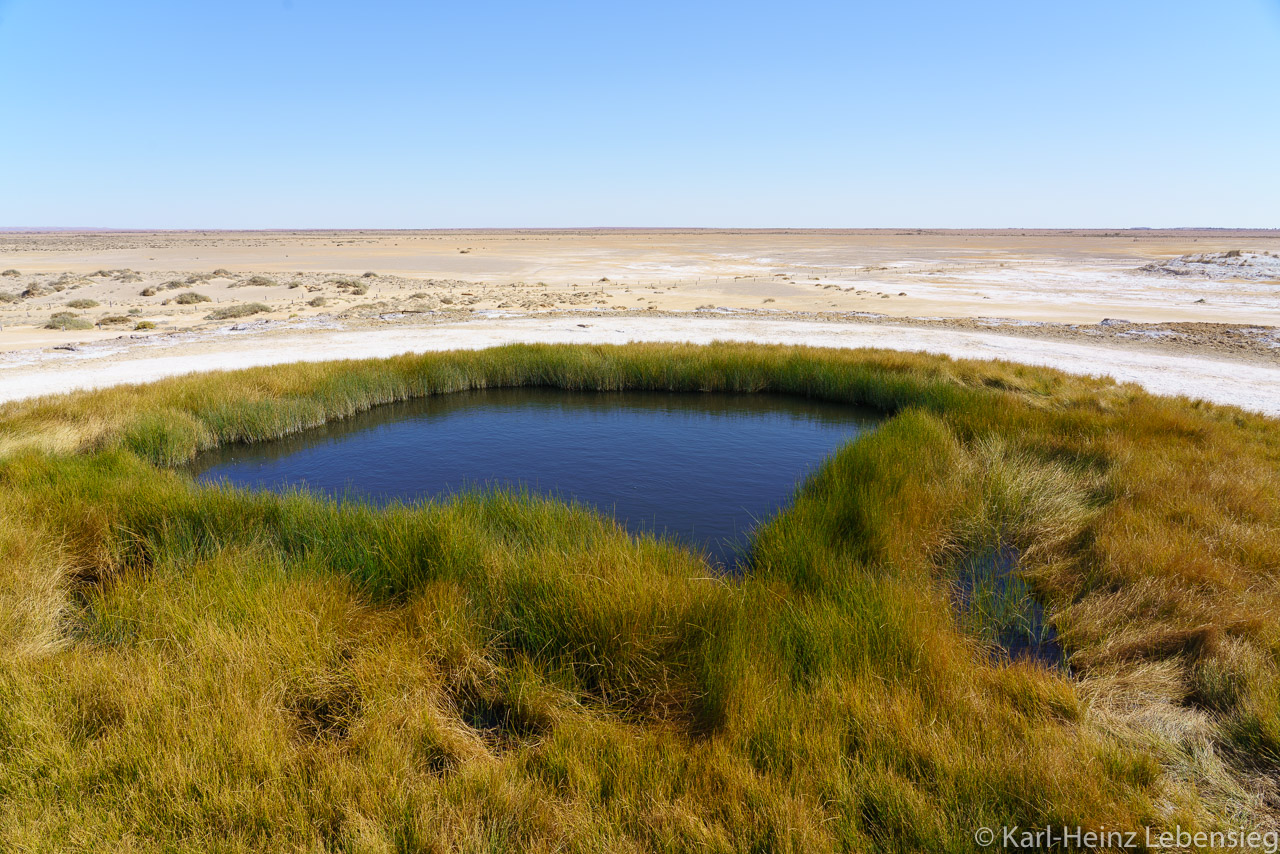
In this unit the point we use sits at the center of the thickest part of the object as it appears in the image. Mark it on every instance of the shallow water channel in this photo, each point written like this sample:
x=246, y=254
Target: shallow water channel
x=701, y=468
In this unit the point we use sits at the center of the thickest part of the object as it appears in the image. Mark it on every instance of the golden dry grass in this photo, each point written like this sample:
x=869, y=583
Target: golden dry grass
x=187, y=668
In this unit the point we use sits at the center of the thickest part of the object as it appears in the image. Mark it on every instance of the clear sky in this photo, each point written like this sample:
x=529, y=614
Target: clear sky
x=319, y=113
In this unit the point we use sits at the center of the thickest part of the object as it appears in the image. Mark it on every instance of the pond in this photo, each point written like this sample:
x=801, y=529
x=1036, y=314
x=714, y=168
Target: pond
x=703, y=469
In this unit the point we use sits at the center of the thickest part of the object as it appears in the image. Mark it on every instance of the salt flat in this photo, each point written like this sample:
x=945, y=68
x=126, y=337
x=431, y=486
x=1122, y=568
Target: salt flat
x=1250, y=386
x=1184, y=311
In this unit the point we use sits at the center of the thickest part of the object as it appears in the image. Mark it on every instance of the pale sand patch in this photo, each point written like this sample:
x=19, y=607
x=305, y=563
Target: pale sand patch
x=29, y=374
x=1056, y=276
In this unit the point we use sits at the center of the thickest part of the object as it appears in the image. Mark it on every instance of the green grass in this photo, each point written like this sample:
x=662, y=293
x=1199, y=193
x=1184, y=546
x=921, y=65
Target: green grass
x=188, y=668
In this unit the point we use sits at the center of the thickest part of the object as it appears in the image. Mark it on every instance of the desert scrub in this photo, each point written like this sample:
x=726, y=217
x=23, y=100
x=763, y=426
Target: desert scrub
x=11, y=273
x=496, y=671
x=255, y=282
x=67, y=320
x=317, y=302
x=191, y=298
x=142, y=325
x=353, y=286
x=241, y=310
x=83, y=303
x=8, y=297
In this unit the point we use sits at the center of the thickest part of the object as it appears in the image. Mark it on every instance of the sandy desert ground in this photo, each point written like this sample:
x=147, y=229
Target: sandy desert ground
x=1193, y=312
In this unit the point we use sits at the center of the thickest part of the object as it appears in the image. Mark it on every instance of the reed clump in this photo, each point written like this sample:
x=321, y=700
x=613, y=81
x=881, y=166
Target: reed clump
x=185, y=666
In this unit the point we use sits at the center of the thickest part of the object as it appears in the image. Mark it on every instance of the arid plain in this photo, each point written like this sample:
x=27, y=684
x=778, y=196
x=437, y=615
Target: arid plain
x=1192, y=309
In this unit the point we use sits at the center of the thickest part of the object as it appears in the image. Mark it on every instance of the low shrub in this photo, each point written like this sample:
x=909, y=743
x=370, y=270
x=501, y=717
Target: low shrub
x=66, y=320
x=241, y=310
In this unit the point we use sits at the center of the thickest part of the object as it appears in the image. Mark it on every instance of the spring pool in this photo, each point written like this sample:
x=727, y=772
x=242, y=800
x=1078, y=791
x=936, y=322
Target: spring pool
x=703, y=469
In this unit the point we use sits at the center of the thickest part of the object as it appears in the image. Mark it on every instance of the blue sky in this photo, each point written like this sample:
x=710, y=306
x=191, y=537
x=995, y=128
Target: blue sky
x=317, y=113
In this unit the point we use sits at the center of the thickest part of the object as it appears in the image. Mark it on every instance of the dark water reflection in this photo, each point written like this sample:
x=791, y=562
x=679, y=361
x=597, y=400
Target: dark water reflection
x=703, y=468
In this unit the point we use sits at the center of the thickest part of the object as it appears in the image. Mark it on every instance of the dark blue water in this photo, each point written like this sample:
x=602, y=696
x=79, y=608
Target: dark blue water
x=702, y=468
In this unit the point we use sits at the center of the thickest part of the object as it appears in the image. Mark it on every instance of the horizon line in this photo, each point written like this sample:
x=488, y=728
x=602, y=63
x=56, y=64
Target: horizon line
x=777, y=228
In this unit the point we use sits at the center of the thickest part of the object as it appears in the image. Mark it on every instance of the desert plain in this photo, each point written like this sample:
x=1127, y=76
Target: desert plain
x=1193, y=312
